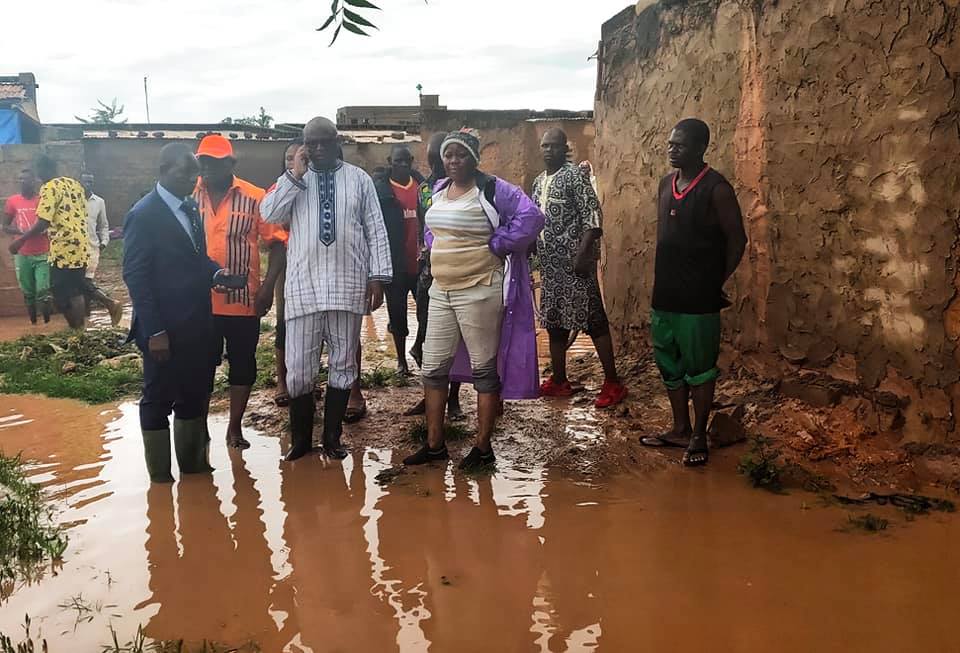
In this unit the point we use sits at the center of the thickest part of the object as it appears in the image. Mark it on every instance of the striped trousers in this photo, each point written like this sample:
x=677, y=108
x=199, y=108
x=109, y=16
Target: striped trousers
x=304, y=340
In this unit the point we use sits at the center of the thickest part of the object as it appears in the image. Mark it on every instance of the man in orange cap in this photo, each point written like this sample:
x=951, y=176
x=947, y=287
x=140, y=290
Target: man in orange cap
x=235, y=231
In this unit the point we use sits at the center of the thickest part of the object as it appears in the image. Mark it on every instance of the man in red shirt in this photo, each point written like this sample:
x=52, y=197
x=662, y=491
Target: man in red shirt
x=33, y=270
x=399, y=192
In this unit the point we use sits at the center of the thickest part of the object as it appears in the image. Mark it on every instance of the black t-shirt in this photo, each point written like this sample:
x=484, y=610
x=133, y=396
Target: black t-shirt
x=691, y=247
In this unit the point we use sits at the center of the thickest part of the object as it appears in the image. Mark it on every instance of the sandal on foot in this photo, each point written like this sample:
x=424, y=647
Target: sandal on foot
x=281, y=400
x=354, y=415
x=662, y=441
x=697, y=453
x=478, y=460
x=426, y=455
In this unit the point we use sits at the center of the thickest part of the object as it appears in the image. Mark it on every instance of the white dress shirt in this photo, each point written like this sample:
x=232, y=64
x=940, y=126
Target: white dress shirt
x=98, y=229
x=175, y=203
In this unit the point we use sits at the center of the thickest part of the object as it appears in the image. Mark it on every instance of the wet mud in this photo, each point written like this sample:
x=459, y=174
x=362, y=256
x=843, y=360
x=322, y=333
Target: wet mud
x=320, y=556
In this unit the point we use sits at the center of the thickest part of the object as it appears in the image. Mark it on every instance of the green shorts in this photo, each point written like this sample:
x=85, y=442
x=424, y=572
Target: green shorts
x=686, y=347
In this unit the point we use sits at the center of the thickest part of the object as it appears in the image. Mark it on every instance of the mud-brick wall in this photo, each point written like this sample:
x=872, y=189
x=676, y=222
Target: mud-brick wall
x=126, y=168
x=13, y=159
x=509, y=140
x=839, y=124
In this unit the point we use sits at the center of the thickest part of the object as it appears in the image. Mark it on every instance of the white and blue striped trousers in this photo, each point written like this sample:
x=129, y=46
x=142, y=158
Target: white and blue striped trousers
x=305, y=338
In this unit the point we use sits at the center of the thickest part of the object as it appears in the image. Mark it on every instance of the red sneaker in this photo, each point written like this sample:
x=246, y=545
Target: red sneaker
x=611, y=394
x=551, y=388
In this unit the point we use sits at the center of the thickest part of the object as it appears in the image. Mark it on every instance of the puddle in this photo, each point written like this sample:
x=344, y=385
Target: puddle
x=320, y=557
x=15, y=327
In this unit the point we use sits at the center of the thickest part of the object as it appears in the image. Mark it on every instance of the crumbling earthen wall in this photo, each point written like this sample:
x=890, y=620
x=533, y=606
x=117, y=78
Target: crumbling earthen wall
x=839, y=124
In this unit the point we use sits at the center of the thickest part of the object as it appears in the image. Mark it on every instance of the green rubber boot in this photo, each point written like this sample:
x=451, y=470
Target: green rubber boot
x=156, y=451
x=191, y=442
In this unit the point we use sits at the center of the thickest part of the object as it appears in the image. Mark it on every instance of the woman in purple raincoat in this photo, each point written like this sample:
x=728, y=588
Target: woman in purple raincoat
x=481, y=326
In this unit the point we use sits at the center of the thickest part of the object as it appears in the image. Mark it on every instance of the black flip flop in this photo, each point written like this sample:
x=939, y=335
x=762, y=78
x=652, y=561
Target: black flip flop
x=661, y=442
x=692, y=451
x=281, y=400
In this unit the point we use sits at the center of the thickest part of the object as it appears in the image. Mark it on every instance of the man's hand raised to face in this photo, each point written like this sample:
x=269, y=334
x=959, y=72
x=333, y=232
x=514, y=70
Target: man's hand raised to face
x=300, y=162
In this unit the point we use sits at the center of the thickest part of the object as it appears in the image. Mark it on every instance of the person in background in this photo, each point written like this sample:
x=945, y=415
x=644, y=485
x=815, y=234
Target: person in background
x=357, y=404
x=230, y=210
x=338, y=262
x=169, y=276
x=401, y=190
x=282, y=397
x=568, y=249
x=62, y=214
x=479, y=229
x=33, y=270
x=586, y=169
x=425, y=280
x=98, y=228
x=700, y=242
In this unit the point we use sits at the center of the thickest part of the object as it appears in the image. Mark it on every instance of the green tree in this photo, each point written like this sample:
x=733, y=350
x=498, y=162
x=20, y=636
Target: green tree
x=262, y=119
x=106, y=114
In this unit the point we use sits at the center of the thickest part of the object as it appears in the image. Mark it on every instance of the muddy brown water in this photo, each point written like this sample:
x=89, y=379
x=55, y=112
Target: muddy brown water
x=319, y=557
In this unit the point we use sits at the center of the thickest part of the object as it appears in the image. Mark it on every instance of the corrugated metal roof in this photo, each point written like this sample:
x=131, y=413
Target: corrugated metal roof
x=188, y=131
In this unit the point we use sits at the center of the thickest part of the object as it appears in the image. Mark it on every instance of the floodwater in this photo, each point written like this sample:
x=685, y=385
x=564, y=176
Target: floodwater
x=14, y=327
x=319, y=557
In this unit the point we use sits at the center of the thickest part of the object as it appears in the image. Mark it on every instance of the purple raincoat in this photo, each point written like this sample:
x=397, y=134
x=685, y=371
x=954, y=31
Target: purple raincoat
x=517, y=221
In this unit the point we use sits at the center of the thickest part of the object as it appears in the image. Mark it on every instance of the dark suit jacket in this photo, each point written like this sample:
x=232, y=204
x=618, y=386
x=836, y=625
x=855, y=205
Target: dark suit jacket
x=168, y=278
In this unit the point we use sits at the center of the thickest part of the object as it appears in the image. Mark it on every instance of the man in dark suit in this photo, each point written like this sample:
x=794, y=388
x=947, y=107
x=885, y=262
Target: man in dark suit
x=169, y=276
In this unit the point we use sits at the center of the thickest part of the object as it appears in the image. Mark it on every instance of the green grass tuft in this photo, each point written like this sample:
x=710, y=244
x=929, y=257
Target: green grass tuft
x=71, y=365
x=452, y=432
x=28, y=537
x=383, y=377
x=760, y=465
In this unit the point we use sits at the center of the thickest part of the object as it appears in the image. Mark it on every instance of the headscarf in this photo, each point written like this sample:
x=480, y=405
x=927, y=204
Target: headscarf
x=468, y=138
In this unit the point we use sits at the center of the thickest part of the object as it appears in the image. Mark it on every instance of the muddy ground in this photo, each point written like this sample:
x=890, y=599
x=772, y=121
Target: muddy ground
x=849, y=439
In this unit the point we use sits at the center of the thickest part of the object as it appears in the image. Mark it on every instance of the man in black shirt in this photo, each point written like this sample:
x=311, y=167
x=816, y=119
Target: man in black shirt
x=700, y=241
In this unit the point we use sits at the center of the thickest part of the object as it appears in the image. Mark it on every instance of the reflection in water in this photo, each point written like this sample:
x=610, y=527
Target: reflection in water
x=410, y=636
x=583, y=427
x=217, y=583
x=319, y=557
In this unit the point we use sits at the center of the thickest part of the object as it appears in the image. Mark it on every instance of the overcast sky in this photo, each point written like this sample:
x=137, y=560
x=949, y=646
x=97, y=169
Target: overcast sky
x=207, y=59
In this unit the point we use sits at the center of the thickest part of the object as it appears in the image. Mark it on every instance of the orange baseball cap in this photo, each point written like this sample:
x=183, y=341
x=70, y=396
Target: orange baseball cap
x=215, y=146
